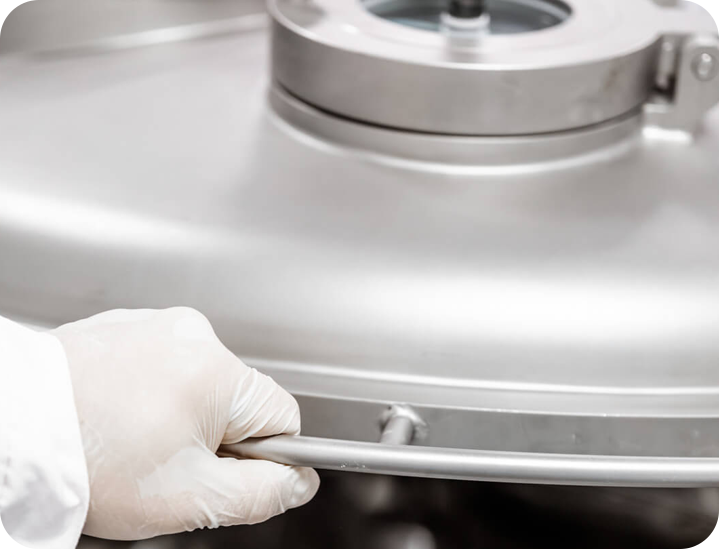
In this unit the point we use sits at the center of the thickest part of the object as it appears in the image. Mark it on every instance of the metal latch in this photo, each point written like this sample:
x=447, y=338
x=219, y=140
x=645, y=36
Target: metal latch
x=687, y=82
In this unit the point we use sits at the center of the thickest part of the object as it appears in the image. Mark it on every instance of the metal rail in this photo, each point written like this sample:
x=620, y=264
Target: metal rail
x=478, y=465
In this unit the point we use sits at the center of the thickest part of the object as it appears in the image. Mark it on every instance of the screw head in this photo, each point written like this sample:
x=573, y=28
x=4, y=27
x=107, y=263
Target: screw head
x=705, y=66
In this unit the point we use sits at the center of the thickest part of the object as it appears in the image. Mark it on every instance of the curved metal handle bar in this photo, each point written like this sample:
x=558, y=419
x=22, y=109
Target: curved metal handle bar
x=460, y=464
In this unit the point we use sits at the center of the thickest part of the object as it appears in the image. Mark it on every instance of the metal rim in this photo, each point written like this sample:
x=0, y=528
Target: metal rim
x=620, y=28
x=470, y=154
x=595, y=66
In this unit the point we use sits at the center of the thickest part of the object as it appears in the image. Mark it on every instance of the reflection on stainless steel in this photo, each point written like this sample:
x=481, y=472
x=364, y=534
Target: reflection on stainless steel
x=163, y=36
x=75, y=27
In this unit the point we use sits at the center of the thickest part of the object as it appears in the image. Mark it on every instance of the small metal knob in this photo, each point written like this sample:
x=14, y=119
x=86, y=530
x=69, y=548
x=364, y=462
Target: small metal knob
x=705, y=66
x=467, y=9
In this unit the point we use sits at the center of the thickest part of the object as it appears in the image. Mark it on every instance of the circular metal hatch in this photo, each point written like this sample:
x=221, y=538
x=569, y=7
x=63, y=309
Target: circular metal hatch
x=383, y=63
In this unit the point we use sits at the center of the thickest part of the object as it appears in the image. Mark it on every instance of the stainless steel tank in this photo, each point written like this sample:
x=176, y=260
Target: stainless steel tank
x=510, y=233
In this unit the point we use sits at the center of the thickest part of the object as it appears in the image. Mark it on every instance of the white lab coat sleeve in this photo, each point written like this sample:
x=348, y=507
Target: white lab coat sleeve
x=44, y=488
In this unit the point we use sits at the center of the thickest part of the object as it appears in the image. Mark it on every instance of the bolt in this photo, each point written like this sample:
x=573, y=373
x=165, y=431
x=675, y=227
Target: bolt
x=705, y=66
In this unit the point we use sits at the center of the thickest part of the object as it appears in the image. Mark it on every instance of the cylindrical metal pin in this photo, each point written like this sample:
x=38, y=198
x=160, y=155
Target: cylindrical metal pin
x=398, y=430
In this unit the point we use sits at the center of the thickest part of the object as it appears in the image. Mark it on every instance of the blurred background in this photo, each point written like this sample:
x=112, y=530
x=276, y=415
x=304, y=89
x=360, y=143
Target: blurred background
x=354, y=511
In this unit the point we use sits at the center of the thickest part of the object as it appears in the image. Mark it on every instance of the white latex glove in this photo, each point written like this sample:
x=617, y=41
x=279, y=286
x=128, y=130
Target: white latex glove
x=156, y=395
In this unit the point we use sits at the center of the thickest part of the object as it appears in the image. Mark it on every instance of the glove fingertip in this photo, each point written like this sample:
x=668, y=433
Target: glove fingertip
x=306, y=484
x=253, y=491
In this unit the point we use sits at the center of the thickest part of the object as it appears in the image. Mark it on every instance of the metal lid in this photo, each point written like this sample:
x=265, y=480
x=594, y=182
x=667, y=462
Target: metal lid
x=543, y=66
x=560, y=295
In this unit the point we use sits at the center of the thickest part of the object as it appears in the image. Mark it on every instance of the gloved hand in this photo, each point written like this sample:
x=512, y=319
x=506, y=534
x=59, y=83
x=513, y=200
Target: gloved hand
x=156, y=394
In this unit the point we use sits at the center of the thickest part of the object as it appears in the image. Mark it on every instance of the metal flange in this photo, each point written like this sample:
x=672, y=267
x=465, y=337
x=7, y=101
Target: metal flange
x=598, y=64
